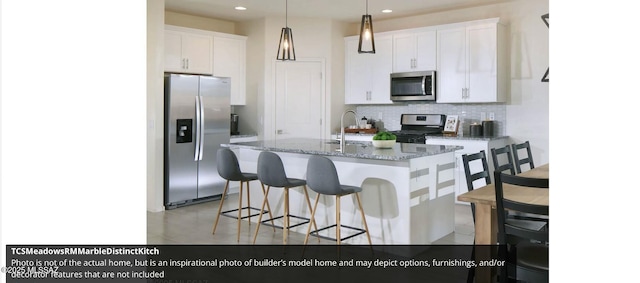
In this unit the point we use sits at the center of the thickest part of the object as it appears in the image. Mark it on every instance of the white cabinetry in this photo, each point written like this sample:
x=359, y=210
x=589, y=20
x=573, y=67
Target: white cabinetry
x=187, y=52
x=229, y=60
x=470, y=147
x=414, y=50
x=367, y=75
x=471, y=62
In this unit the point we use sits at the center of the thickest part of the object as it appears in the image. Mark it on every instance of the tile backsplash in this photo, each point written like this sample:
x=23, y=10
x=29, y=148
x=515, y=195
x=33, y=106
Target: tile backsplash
x=468, y=113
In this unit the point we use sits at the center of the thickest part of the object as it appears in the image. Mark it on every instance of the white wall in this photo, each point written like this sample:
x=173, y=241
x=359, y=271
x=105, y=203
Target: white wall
x=528, y=109
x=251, y=114
x=190, y=21
x=155, y=104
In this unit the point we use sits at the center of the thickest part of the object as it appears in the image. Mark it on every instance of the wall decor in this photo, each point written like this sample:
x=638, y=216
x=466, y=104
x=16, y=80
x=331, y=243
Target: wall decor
x=545, y=19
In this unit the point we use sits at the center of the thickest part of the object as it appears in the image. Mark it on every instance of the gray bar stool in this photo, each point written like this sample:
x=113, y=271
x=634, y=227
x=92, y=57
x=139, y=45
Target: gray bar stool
x=229, y=169
x=322, y=178
x=271, y=173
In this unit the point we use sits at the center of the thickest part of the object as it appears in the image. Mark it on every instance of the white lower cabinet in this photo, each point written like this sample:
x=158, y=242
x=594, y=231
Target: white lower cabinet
x=470, y=147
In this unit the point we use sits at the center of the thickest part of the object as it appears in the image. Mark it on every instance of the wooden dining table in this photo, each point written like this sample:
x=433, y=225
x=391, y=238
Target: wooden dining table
x=484, y=198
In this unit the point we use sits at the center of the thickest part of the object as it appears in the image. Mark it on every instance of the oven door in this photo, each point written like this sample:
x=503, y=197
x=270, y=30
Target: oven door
x=414, y=86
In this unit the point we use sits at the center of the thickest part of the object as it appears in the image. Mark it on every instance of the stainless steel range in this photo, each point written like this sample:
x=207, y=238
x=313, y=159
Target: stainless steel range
x=415, y=127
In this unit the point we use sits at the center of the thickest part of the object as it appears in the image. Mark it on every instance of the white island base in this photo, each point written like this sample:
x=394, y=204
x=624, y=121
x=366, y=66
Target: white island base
x=406, y=202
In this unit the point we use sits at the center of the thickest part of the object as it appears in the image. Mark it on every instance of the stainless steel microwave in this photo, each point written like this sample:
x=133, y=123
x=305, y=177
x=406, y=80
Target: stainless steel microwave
x=413, y=86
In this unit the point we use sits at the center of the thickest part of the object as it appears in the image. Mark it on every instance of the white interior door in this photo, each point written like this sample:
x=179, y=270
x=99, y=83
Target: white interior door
x=299, y=101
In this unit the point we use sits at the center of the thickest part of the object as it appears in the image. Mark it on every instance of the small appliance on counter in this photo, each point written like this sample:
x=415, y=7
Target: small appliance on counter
x=487, y=128
x=475, y=130
x=234, y=124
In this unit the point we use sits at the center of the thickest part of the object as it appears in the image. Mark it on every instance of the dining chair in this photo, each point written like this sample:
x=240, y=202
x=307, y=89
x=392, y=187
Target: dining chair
x=526, y=160
x=526, y=251
x=485, y=174
x=468, y=160
x=502, y=153
x=478, y=161
x=322, y=178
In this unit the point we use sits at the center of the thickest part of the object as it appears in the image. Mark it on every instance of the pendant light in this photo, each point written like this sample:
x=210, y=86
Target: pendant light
x=285, y=47
x=366, y=44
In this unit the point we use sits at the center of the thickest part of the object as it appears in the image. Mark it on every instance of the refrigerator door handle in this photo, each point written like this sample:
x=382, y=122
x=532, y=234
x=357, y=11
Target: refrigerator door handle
x=201, y=130
x=198, y=129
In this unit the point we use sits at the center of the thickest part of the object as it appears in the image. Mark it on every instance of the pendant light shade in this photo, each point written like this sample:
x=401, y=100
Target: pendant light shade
x=366, y=43
x=285, y=47
x=286, y=51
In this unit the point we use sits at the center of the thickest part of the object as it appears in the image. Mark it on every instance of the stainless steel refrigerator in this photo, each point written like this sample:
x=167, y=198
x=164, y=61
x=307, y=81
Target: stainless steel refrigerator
x=197, y=118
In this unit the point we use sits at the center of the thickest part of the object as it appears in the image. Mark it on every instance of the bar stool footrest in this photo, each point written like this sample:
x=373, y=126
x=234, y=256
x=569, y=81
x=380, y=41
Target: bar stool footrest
x=316, y=232
x=264, y=222
x=228, y=212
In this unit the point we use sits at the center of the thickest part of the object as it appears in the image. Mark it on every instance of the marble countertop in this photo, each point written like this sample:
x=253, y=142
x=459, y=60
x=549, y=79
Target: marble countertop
x=437, y=137
x=470, y=138
x=244, y=136
x=353, y=149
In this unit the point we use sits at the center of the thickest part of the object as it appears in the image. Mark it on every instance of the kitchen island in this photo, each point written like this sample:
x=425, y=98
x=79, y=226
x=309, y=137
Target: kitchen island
x=408, y=190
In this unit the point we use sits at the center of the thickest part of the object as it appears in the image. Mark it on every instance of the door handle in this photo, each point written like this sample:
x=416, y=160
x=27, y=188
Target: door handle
x=198, y=128
x=279, y=132
x=201, y=130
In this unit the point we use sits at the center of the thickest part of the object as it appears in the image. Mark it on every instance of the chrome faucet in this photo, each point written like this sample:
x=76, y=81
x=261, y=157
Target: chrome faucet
x=355, y=118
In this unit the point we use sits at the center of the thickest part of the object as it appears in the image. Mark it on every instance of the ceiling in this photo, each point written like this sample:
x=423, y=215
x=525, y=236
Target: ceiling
x=343, y=10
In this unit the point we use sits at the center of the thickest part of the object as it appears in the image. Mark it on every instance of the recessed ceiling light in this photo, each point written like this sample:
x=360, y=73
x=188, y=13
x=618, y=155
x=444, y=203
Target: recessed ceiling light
x=240, y=8
x=387, y=11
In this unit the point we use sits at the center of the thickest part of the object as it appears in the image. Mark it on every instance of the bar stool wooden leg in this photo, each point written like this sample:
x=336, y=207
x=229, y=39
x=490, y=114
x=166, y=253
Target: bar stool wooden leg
x=240, y=210
x=313, y=214
x=268, y=208
x=364, y=220
x=224, y=193
x=338, y=219
x=311, y=221
x=261, y=211
x=285, y=229
x=249, y=203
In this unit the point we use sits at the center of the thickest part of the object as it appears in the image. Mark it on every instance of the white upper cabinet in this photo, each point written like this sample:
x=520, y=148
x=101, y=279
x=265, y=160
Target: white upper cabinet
x=367, y=78
x=472, y=63
x=229, y=60
x=186, y=52
x=195, y=51
x=414, y=50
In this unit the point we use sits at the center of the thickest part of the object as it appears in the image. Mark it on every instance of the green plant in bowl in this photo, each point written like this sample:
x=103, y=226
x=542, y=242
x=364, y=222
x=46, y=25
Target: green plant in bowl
x=384, y=140
x=384, y=136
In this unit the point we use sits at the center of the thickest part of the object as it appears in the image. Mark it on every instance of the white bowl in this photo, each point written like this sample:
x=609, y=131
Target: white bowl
x=383, y=143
